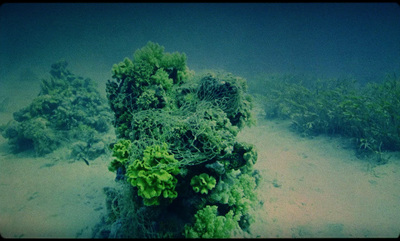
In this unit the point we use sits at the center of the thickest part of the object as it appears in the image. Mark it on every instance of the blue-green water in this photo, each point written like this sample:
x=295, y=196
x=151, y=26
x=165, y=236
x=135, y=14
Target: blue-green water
x=328, y=40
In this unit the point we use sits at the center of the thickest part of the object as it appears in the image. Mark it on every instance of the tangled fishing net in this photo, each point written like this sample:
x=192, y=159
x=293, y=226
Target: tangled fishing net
x=180, y=133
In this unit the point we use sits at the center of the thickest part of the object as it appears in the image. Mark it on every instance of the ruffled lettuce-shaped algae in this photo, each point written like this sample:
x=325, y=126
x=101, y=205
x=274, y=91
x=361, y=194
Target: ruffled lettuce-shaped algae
x=154, y=175
x=182, y=130
x=203, y=183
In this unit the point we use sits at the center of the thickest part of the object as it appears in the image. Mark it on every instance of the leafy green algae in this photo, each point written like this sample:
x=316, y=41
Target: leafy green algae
x=182, y=131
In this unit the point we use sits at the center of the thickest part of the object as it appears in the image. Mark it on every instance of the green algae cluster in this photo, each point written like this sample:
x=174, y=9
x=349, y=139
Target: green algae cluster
x=121, y=152
x=203, y=183
x=209, y=224
x=146, y=82
x=154, y=175
x=68, y=110
x=366, y=114
x=180, y=133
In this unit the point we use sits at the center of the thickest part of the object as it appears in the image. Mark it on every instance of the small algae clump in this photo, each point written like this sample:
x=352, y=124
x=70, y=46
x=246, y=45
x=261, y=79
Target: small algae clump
x=68, y=110
x=237, y=191
x=120, y=151
x=209, y=224
x=182, y=150
x=203, y=183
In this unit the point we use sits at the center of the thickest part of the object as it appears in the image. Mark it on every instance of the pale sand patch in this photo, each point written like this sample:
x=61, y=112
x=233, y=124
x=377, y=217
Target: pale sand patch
x=39, y=200
x=318, y=188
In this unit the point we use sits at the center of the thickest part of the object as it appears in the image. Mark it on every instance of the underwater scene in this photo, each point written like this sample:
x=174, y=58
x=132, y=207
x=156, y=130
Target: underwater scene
x=200, y=120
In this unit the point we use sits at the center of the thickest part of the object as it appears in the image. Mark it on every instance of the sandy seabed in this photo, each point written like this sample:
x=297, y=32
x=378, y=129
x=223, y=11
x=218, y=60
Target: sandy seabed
x=310, y=188
x=317, y=187
x=50, y=197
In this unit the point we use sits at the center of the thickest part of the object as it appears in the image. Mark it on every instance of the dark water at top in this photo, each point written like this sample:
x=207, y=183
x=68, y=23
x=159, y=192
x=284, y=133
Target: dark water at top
x=361, y=40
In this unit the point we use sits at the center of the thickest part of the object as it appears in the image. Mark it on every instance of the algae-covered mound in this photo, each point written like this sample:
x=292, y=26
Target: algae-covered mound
x=177, y=151
x=68, y=109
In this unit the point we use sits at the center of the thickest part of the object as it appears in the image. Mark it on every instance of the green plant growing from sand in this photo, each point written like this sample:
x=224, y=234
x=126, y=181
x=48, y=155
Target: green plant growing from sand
x=68, y=109
x=182, y=133
x=368, y=115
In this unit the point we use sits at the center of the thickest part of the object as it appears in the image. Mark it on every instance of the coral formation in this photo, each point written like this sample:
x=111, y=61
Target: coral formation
x=68, y=108
x=182, y=130
x=144, y=83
